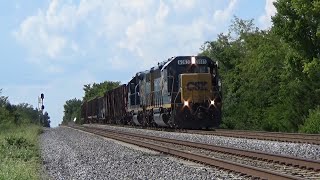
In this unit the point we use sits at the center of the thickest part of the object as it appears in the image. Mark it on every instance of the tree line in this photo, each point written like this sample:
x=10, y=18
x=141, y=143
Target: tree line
x=270, y=78
x=20, y=114
x=72, y=107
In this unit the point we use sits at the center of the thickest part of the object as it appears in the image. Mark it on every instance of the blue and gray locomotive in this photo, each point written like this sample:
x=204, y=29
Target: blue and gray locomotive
x=182, y=92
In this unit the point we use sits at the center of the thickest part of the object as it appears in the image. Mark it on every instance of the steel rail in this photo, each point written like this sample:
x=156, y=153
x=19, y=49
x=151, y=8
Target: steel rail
x=260, y=135
x=281, y=159
x=274, y=136
x=224, y=164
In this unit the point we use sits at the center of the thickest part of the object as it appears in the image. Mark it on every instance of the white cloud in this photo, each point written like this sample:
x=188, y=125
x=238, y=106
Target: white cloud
x=144, y=28
x=223, y=15
x=128, y=23
x=134, y=36
x=162, y=12
x=35, y=34
x=47, y=33
x=85, y=7
x=137, y=5
x=270, y=10
x=182, y=5
x=52, y=8
x=118, y=63
x=152, y=37
x=38, y=40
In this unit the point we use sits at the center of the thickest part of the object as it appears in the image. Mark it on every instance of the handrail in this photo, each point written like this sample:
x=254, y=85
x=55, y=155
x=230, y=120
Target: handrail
x=172, y=83
x=135, y=93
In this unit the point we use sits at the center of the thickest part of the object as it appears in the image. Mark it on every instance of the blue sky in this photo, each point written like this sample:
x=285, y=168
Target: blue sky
x=56, y=46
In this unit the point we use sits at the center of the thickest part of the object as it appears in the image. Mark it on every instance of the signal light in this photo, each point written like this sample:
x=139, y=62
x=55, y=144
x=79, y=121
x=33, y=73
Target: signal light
x=42, y=96
x=193, y=60
x=42, y=107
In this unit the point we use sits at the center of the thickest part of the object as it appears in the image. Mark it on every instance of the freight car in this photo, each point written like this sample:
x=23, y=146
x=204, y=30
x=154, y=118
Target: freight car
x=182, y=92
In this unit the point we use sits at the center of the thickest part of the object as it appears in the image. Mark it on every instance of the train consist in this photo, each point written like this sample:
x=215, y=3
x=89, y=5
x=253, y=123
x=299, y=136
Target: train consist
x=182, y=92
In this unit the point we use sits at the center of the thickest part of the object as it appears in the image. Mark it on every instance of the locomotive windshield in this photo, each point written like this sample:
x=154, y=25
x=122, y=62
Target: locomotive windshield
x=197, y=69
x=193, y=69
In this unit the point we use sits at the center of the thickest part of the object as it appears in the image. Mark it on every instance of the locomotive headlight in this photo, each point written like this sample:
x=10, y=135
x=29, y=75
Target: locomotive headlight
x=212, y=102
x=186, y=103
x=193, y=60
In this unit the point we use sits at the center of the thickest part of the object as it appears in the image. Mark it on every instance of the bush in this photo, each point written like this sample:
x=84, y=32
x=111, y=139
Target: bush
x=19, y=142
x=19, y=152
x=5, y=119
x=312, y=122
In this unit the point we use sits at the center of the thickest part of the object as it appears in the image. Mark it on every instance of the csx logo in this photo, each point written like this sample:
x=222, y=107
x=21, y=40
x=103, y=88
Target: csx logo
x=197, y=86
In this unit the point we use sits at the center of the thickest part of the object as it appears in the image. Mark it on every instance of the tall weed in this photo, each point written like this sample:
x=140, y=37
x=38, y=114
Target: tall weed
x=19, y=152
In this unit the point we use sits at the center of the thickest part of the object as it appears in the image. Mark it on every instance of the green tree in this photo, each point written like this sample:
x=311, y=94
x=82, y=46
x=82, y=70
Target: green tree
x=5, y=116
x=72, y=109
x=229, y=50
x=253, y=70
x=46, y=120
x=98, y=89
x=27, y=113
x=3, y=100
x=297, y=23
x=312, y=122
x=271, y=79
x=22, y=113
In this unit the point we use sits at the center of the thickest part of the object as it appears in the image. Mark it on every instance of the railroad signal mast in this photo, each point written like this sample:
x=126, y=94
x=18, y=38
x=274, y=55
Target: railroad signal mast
x=42, y=97
x=40, y=104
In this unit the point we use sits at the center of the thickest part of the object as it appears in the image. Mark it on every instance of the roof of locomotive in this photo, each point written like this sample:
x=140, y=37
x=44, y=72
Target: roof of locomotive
x=164, y=64
x=174, y=59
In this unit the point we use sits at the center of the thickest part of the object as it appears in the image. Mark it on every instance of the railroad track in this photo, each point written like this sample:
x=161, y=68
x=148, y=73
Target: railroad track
x=260, y=135
x=273, y=136
x=251, y=163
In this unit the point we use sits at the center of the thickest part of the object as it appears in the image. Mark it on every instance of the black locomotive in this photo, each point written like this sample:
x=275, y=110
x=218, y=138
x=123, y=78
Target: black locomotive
x=182, y=92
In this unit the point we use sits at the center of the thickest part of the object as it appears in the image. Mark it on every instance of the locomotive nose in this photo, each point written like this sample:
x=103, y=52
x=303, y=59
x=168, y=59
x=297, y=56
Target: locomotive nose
x=196, y=87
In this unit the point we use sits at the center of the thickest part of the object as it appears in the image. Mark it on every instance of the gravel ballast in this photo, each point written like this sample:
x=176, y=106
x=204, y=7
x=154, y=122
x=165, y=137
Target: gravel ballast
x=72, y=154
x=308, y=151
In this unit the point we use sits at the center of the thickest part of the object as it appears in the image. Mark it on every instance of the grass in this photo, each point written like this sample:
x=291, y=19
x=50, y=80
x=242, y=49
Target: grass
x=19, y=152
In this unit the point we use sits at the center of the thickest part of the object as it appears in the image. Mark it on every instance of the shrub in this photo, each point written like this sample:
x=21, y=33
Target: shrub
x=312, y=122
x=19, y=152
x=19, y=142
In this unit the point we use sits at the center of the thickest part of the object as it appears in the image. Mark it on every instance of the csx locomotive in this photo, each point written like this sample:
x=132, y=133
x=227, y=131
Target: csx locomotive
x=182, y=92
